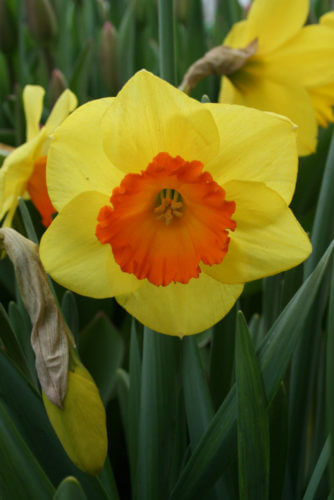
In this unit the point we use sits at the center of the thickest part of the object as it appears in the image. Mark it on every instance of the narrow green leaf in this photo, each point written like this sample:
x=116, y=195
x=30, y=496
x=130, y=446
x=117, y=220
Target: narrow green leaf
x=166, y=40
x=10, y=342
x=278, y=414
x=21, y=476
x=323, y=225
x=126, y=45
x=252, y=418
x=330, y=378
x=70, y=312
x=28, y=224
x=311, y=491
x=122, y=389
x=198, y=402
x=216, y=447
x=134, y=399
x=159, y=397
x=101, y=349
x=78, y=81
x=69, y=489
x=221, y=357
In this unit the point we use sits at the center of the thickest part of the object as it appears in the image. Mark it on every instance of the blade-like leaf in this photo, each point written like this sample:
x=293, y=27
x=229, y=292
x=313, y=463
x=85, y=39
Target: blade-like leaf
x=69, y=489
x=101, y=349
x=21, y=476
x=252, y=418
x=311, y=491
x=216, y=447
x=158, y=410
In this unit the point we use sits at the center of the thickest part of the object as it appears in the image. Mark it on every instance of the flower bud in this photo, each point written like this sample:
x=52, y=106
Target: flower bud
x=41, y=20
x=57, y=85
x=108, y=56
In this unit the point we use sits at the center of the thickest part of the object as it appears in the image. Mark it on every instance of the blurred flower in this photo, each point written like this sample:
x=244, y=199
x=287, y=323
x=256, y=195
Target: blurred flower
x=23, y=171
x=57, y=85
x=108, y=56
x=198, y=206
x=292, y=62
x=41, y=20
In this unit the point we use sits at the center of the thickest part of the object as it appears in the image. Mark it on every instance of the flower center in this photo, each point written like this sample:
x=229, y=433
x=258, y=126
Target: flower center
x=170, y=206
x=167, y=220
x=38, y=192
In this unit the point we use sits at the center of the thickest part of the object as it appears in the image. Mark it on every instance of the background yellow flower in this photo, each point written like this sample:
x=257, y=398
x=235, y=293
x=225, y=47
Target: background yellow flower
x=292, y=72
x=23, y=171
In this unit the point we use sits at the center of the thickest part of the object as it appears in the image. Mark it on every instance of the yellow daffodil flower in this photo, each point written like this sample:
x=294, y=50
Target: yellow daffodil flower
x=23, y=171
x=291, y=65
x=171, y=205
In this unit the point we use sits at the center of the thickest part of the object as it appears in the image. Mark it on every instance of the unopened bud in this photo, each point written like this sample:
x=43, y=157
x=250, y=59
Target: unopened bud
x=41, y=19
x=108, y=56
x=57, y=85
x=7, y=28
x=182, y=9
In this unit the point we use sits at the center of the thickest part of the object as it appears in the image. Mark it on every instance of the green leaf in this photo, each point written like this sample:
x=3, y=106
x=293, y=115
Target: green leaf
x=78, y=81
x=221, y=357
x=122, y=388
x=69, y=489
x=70, y=312
x=311, y=491
x=28, y=224
x=101, y=349
x=21, y=476
x=10, y=342
x=330, y=378
x=323, y=228
x=216, y=447
x=160, y=387
x=126, y=45
x=278, y=414
x=252, y=418
x=134, y=399
x=198, y=403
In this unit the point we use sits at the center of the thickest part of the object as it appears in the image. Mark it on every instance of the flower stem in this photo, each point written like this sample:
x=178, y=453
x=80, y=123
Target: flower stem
x=166, y=41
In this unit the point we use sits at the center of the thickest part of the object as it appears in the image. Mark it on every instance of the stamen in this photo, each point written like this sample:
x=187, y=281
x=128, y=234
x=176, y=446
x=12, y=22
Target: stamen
x=170, y=205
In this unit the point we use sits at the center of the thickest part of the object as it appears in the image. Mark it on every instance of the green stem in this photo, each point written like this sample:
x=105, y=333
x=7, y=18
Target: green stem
x=166, y=41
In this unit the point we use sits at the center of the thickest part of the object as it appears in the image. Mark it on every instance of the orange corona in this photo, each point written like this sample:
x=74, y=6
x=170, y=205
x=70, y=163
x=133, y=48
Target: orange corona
x=165, y=221
x=38, y=192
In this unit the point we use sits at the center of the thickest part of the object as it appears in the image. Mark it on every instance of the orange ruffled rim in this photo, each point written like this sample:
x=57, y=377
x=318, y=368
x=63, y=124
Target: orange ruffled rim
x=166, y=220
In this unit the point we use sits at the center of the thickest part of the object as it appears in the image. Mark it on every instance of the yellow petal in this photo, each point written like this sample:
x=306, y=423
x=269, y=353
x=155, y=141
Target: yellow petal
x=73, y=256
x=272, y=22
x=288, y=99
x=307, y=59
x=81, y=424
x=268, y=238
x=179, y=309
x=323, y=100
x=33, y=105
x=148, y=117
x=256, y=146
x=15, y=172
x=76, y=159
x=327, y=19
x=66, y=103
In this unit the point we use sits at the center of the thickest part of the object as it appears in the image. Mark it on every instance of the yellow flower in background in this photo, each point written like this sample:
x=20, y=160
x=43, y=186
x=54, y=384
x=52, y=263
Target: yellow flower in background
x=171, y=205
x=23, y=171
x=292, y=64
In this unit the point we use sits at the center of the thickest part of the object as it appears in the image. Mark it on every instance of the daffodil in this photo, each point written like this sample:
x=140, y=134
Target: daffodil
x=292, y=71
x=23, y=171
x=171, y=205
